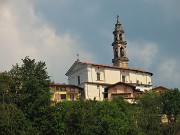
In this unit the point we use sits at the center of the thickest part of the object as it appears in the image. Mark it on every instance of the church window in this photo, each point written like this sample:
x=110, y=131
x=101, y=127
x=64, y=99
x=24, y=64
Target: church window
x=123, y=79
x=120, y=36
x=137, y=81
x=122, y=51
x=115, y=37
x=98, y=76
x=79, y=81
x=115, y=52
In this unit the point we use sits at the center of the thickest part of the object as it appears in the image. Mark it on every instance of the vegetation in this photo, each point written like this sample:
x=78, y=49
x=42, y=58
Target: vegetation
x=25, y=109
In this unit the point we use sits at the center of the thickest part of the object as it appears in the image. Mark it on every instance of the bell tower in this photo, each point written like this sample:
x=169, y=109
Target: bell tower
x=119, y=46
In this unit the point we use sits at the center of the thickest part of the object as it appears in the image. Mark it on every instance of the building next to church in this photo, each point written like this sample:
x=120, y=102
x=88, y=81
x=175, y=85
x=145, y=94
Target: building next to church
x=127, y=91
x=61, y=92
x=95, y=78
x=160, y=89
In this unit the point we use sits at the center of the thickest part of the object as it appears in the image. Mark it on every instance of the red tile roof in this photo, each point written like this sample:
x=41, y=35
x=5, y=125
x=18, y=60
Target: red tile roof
x=162, y=87
x=64, y=85
x=115, y=67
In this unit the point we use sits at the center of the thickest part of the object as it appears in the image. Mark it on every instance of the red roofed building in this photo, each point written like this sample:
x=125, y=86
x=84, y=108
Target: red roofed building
x=127, y=91
x=160, y=89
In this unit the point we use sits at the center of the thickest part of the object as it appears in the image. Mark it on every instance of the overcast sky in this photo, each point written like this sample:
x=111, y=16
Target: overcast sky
x=54, y=31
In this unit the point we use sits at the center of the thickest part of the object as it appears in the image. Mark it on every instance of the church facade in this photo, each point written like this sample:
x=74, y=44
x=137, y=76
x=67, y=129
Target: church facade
x=95, y=78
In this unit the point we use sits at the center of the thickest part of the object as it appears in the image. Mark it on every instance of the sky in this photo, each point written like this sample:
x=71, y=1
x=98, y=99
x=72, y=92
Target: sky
x=55, y=31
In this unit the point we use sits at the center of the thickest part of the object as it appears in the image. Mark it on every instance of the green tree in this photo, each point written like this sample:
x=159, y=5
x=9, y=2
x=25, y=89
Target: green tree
x=13, y=121
x=171, y=104
x=113, y=121
x=82, y=118
x=5, y=82
x=91, y=117
x=31, y=87
x=149, y=113
x=171, y=108
x=56, y=119
x=130, y=111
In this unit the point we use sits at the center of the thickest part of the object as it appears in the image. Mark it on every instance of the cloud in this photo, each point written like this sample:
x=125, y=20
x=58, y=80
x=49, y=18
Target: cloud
x=170, y=8
x=24, y=33
x=168, y=71
x=142, y=53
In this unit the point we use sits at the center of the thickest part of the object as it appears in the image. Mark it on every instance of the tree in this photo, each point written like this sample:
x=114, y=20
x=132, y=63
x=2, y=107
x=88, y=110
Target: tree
x=13, y=121
x=31, y=86
x=171, y=104
x=113, y=121
x=149, y=113
x=5, y=82
x=171, y=108
x=91, y=117
x=55, y=120
x=130, y=111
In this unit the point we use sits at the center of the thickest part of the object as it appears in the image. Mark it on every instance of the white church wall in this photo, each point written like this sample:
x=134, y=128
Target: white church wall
x=97, y=70
x=149, y=81
x=94, y=91
x=82, y=73
x=112, y=75
x=125, y=73
x=132, y=76
x=90, y=77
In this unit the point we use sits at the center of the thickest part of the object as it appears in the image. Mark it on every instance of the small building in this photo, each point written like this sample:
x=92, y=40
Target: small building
x=160, y=89
x=65, y=92
x=127, y=91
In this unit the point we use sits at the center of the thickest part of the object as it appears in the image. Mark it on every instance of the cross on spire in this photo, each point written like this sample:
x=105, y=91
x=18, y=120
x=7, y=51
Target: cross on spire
x=77, y=56
x=117, y=19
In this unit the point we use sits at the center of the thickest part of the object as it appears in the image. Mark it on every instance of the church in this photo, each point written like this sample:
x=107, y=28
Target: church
x=96, y=78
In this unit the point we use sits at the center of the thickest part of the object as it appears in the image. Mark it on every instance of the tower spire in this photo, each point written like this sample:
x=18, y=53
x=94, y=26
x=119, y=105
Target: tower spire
x=117, y=19
x=119, y=46
x=77, y=57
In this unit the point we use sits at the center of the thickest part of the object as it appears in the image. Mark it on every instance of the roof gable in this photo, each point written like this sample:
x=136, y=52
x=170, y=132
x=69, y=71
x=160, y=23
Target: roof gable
x=160, y=87
x=75, y=67
x=120, y=83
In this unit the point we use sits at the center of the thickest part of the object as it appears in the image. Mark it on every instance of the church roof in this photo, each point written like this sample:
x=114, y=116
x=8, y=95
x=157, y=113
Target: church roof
x=107, y=66
x=122, y=84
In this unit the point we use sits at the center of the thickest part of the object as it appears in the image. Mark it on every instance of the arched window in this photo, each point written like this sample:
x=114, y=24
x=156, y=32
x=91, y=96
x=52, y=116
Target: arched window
x=120, y=36
x=115, y=37
x=115, y=52
x=122, y=51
